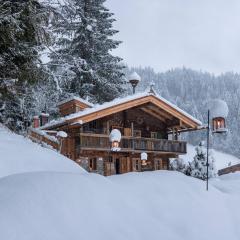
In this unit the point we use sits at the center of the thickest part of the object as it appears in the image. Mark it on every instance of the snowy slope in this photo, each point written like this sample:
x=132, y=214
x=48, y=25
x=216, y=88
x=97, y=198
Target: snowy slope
x=221, y=159
x=19, y=154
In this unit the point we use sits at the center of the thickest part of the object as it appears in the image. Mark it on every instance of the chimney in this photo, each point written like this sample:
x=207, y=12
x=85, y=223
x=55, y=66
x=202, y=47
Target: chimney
x=44, y=118
x=35, y=122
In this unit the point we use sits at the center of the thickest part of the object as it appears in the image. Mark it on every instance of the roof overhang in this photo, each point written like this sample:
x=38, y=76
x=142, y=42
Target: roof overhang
x=150, y=103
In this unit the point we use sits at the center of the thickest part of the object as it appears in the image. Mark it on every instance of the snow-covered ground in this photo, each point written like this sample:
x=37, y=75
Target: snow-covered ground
x=221, y=159
x=54, y=199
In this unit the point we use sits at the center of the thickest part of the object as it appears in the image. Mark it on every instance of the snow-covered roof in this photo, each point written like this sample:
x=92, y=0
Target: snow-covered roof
x=77, y=99
x=113, y=103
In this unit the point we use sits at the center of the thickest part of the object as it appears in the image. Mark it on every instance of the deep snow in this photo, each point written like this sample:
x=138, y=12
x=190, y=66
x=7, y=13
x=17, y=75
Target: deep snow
x=151, y=205
x=51, y=198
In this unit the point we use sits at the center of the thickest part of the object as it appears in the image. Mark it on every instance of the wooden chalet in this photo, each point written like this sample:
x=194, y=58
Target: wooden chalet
x=148, y=124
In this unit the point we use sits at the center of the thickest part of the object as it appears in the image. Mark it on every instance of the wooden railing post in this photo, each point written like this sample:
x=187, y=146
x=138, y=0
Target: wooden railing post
x=132, y=130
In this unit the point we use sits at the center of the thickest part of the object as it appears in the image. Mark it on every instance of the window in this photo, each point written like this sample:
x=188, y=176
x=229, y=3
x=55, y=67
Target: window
x=110, y=159
x=136, y=164
x=158, y=164
x=93, y=124
x=93, y=164
x=154, y=135
x=137, y=133
x=157, y=135
x=165, y=164
x=77, y=142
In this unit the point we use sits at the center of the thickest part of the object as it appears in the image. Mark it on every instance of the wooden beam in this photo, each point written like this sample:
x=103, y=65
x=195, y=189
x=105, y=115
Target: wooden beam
x=161, y=112
x=168, y=108
x=108, y=128
x=153, y=114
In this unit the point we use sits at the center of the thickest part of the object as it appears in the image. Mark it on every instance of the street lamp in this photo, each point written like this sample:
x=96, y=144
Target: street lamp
x=134, y=79
x=61, y=135
x=219, y=112
x=144, y=157
x=115, y=139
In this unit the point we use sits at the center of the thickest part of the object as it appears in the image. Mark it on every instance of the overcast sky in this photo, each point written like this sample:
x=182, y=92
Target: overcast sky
x=200, y=34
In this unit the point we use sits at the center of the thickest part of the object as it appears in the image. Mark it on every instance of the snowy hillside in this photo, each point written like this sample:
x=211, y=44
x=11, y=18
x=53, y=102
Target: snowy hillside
x=221, y=159
x=51, y=198
x=19, y=154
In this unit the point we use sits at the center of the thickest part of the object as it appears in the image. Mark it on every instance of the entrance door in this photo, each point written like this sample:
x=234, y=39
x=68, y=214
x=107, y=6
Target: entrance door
x=118, y=166
x=125, y=165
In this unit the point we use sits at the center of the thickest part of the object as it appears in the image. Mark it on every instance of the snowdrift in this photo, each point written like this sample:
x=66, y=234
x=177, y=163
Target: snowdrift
x=151, y=205
x=19, y=154
x=45, y=196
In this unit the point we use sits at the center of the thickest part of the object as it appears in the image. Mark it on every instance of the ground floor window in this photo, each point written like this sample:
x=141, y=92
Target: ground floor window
x=136, y=164
x=158, y=164
x=165, y=164
x=93, y=164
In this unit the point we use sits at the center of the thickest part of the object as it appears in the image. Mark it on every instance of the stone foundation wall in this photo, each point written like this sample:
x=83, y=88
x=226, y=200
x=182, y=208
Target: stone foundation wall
x=100, y=166
x=84, y=163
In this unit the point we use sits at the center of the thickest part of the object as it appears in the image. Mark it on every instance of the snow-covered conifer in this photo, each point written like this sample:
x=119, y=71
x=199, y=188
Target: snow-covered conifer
x=198, y=167
x=22, y=35
x=83, y=59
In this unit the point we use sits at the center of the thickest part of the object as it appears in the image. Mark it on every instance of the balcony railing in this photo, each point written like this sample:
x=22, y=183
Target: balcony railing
x=101, y=141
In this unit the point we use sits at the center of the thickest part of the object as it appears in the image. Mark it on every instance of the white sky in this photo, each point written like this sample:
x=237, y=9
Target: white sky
x=200, y=34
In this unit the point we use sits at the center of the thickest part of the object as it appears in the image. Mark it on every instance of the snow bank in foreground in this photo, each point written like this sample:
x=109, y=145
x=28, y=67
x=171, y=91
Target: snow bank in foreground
x=19, y=154
x=221, y=159
x=136, y=206
x=50, y=199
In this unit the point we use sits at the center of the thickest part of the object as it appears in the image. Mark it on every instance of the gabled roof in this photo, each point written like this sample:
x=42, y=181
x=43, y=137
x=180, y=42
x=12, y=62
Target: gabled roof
x=120, y=104
x=81, y=100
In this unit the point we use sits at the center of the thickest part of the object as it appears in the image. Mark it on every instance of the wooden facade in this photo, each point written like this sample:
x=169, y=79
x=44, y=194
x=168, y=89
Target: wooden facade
x=145, y=124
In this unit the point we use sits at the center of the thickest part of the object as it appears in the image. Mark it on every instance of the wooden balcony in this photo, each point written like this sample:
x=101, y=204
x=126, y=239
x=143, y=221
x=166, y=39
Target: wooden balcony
x=134, y=144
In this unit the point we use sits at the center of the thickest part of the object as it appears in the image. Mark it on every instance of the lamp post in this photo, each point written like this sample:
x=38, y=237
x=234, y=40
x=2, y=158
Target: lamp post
x=219, y=112
x=61, y=135
x=114, y=139
x=208, y=136
x=134, y=79
x=144, y=157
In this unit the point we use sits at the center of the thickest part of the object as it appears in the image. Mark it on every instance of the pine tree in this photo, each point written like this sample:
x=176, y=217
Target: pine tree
x=84, y=61
x=21, y=37
x=198, y=167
